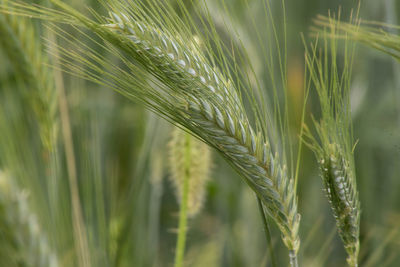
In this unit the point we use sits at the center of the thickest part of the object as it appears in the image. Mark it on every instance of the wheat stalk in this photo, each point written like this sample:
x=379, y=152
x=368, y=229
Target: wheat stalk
x=39, y=91
x=189, y=161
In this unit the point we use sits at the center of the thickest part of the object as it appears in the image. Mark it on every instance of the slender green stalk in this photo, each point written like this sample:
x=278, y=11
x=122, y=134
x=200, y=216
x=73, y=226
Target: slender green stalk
x=180, y=245
x=267, y=233
x=293, y=258
x=82, y=247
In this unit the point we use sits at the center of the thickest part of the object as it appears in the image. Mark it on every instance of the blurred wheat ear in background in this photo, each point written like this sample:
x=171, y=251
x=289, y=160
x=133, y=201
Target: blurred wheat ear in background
x=181, y=146
x=189, y=161
x=28, y=146
x=36, y=83
x=23, y=239
x=377, y=35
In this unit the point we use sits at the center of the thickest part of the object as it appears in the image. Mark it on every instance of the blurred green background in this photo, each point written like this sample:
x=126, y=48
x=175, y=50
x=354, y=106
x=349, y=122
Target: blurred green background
x=129, y=208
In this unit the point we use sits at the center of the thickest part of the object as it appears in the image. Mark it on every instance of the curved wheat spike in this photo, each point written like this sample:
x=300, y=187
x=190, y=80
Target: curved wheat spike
x=186, y=89
x=214, y=110
x=377, y=35
x=20, y=42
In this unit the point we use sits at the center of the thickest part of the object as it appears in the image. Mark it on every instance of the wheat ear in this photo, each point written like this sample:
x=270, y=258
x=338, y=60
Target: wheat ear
x=338, y=176
x=20, y=41
x=214, y=110
x=341, y=191
x=189, y=162
x=373, y=34
x=189, y=91
x=333, y=142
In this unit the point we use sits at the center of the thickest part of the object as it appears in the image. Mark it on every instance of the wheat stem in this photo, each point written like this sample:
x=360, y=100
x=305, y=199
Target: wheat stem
x=267, y=233
x=180, y=245
x=293, y=258
x=82, y=247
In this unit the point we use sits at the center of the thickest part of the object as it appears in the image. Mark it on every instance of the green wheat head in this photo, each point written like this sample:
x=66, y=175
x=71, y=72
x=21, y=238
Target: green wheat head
x=183, y=83
x=333, y=142
x=377, y=35
x=21, y=42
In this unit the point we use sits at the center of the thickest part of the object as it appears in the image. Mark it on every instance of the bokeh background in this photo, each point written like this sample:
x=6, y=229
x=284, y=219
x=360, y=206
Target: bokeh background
x=128, y=204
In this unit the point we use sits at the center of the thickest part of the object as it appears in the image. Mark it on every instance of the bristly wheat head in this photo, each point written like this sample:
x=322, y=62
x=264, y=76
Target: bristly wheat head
x=377, y=35
x=338, y=176
x=340, y=188
x=333, y=143
x=217, y=115
x=167, y=72
x=182, y=64
x=197, y=172
x=24, y=51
